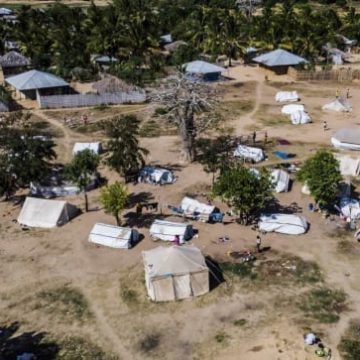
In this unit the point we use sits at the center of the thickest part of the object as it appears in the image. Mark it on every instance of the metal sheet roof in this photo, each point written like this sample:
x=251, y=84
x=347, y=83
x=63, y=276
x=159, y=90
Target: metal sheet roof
x=348, y=135
x=202, y=67
x=34, y=79
x=14, y=59
x=280, y=57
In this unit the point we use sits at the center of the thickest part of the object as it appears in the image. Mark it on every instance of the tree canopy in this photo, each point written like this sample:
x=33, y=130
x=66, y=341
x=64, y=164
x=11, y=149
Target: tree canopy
x=245, y=192
x=322, y=175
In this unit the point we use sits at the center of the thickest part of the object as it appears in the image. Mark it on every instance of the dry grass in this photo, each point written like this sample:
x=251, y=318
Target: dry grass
x=349, y=346
x=269, y=115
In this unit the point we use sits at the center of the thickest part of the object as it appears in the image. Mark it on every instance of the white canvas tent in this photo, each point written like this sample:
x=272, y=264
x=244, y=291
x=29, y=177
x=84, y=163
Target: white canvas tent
x=81, y=146
x=174, y=273
x=347, y=139
x=191, y=206
x=283, y=223
x=350, y=208
x=287, y=96
x=281, y=180
x=46, y=213
x=113, y=236
x=155, y=175
x=249, y=153
x=292, y=108
x=339, y=104
x=300, y=117
x=348, y=165
x=167, y=230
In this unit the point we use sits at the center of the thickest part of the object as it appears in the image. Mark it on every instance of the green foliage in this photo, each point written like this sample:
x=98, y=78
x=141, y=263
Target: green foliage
x=129, y=296
x=242, y=270
x=323, y=304
x=240, y=322
x=243, y=191
x=184, y=54
x=322, y=175
x=113, y=197
x=222, y=337
x=19, y=145
x=349, y=346
x=124, y=152
x=81, y=170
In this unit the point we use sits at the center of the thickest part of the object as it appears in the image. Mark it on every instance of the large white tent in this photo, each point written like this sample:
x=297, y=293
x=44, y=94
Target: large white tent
x=46, y=213
x=249, y=153
x=81, y=146
x=174, y=273
x=283, y=223
x=300, y=117
x=156, y=175
x=339, y=104
x=350, y=208
x=281, y=180
x=191, y=206
x=347, y=139
x=348, y=165
x=292, y=108
x=113, y=236
x=168, y=230
x=287, y=96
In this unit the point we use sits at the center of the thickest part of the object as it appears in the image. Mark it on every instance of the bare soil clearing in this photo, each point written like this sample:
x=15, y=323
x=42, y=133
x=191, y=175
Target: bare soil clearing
x=248, y=318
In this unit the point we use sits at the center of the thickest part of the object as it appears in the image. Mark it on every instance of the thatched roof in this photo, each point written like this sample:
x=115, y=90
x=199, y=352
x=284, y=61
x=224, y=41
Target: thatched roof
x=112, y=84
x=13, y=59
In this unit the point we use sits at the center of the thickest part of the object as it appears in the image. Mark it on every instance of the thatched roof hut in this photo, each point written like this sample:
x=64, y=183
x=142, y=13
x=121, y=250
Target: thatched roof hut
x=14, y=59
x=112, y=84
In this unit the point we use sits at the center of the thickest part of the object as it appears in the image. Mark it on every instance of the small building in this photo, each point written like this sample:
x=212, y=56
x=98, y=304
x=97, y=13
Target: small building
x=279, y=61
x=176, y=272
x=32, y=83
x=95, y=147
x=202, y=70
x=166, y=39
x=14, y=63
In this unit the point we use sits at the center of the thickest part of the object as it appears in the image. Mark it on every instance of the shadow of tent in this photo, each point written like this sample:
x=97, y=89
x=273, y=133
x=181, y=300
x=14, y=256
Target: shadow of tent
x=36, y=343
x=215, y=274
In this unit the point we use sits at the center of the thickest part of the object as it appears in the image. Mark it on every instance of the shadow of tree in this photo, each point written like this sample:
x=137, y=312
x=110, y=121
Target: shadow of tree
x=275, y=207
x=136, y=198
x=143, y=220
x=168, y=166
x=12, y=345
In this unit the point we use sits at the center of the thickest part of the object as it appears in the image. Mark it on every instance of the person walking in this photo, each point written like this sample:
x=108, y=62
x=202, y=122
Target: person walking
x=348, y=93
x=325, y=125
x=258, y=243
x=265, y=138
x=254, y=137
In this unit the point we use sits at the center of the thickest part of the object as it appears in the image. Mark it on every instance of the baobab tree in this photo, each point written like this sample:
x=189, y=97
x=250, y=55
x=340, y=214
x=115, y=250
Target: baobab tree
x=192, y=106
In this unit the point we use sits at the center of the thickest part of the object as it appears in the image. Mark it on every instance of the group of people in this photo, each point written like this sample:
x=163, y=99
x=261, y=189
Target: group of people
x=321, y=350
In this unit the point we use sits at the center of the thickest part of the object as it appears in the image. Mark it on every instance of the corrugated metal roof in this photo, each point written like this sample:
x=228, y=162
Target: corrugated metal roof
x=13, y=59
x=34, y=79
x=280, y=57
x=202, y=67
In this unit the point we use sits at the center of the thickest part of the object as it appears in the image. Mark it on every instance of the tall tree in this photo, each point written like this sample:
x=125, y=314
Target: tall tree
x=125, y=155
x=322, y=175
x=191, y=106
x=81, y=171
x=113, y=197
x=245, y=192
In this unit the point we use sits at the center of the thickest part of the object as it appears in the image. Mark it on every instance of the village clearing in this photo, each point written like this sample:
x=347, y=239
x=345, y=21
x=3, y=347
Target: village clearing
x=76, y=300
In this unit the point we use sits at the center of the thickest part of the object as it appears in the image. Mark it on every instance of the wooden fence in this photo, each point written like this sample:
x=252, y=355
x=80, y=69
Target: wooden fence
x=83, y=100
x=342, y=75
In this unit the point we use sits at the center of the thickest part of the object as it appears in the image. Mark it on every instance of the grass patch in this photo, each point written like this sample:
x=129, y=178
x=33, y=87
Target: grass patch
x=156, y=128
x=89, y=128
x=346, y=247
x=239, y=270
x=101, y=107
x=222, y=337
x=129, y=296
x=240, y=322
x=349, y=346
x=239, y=107
x=323, y=304
x=149, y=343
x=267, y=118
x=65, y=300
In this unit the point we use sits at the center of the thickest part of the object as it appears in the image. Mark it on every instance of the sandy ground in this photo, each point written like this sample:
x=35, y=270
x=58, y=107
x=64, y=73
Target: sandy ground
x=37, y=259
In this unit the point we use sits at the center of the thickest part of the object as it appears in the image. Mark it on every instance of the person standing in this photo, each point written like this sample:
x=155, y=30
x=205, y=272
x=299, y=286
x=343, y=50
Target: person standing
x=337, y=93
x=258, y=243
x=348, y=93
x=265, y=138
x=325, y=125
x=254, y=137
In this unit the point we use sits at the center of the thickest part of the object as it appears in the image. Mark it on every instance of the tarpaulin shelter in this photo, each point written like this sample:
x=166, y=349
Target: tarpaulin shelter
x=283, y=223
x=168, y=230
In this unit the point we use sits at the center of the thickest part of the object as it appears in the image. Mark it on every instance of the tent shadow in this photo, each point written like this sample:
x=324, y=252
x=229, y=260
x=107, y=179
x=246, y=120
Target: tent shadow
x=215, y=274
x=140, y=239
x=141, y=197
x=32, y=342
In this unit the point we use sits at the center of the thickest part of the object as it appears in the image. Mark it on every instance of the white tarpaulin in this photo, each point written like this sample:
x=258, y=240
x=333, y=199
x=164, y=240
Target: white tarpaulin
x=300, y=117
x=348, y=165
x=291, y=108
x=155, y=175
x=46, y=213
x=113, y=236
x=175, y=272
x=93, y=146
x=287, y=96
x=283, y=223
x=167, y=231
x=339, y=104
x=191, y=206
x=250, y=153
x=347, y=139
x=350, y=208
x=281, y=180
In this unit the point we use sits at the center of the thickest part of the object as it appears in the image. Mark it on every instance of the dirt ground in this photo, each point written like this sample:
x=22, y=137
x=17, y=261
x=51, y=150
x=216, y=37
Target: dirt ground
x=238, y=319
